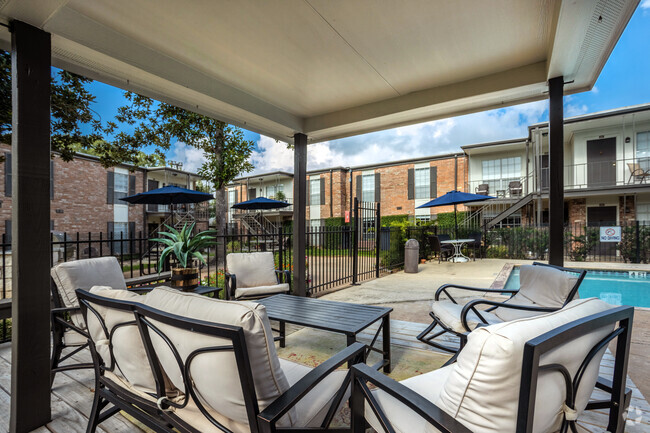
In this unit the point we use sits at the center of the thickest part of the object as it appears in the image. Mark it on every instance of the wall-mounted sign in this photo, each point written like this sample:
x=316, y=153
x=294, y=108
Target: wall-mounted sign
x=347, y=216
x=610, y=234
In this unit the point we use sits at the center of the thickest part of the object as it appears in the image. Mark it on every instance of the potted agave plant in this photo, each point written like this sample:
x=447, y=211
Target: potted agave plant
x=185, y=248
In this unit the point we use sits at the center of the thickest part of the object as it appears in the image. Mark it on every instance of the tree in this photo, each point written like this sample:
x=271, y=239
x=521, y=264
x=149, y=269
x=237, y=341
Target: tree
x=226, y=152
x=75, y=126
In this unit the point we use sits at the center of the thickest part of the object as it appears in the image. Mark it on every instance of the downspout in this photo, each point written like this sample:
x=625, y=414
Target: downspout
x=331, y=195
x=455, y=172
x=351, y=176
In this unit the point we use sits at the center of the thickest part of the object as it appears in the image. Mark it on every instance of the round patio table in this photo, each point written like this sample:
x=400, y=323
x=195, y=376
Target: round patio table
x=458, y=256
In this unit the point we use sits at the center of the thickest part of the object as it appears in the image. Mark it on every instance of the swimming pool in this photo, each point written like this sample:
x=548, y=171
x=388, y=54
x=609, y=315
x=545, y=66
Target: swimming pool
x=613, y=287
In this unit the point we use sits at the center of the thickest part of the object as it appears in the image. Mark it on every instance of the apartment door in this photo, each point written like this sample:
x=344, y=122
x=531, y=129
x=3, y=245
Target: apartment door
x=601, y=162
x=602, y=216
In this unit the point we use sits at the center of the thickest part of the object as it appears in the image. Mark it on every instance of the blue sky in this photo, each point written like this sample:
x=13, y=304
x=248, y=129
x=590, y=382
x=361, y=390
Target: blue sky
x=624, y=81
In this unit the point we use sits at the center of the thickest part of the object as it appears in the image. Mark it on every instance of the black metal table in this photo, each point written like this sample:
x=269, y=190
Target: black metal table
x=340, y=317
x=200, y=290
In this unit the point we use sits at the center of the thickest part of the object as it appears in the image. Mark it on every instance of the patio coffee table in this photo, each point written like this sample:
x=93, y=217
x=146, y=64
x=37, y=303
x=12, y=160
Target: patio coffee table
x=341, y=317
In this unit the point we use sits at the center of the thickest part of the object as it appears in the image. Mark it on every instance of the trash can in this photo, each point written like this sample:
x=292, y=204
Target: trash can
x=411, y=256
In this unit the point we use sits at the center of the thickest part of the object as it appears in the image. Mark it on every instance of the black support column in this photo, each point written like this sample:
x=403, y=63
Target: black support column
x=299, y=213
x=556, y=172
x=30, y=216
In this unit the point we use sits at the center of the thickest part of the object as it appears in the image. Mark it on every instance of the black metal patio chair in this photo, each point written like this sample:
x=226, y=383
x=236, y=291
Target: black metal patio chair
x=550, y=288
x=537, y=374
x=442, y=251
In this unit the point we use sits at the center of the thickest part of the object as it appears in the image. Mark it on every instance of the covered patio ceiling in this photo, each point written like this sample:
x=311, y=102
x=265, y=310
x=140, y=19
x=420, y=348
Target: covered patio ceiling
x=330, y=69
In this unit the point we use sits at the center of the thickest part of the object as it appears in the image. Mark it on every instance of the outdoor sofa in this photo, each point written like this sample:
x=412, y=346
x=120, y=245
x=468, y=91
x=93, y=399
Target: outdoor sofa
x=533, y=374
x=543, y=288
x=253, y=276
x=183, y=362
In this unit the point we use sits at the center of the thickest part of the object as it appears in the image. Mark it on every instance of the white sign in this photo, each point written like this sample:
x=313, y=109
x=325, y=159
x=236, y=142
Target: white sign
x=610, y=234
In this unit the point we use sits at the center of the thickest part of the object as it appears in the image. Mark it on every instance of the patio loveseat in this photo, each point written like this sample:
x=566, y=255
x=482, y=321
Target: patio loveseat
x=534, y=374
x=183, y=362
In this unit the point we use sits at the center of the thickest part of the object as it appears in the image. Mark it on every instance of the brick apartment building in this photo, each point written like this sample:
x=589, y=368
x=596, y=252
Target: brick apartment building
x=400, y=187
x=85, y=196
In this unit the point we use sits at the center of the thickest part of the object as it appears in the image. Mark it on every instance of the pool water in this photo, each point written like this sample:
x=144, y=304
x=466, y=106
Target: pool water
x=613, y=287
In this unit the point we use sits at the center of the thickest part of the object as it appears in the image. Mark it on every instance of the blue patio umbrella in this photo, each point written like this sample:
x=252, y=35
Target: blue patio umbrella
x=455, y=198
x=260, y=203
x=170, y=195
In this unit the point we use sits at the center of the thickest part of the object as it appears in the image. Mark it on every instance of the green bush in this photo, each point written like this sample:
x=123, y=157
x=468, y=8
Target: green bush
x=388, y=220
x=233, y=246
x=581, y=245
x=5, y=329
x=497, y=252
x=628, y=244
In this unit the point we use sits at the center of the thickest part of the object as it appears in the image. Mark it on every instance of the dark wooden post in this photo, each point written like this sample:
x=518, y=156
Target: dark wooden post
x=299, y=213
x=30, y=215
x=556, y=172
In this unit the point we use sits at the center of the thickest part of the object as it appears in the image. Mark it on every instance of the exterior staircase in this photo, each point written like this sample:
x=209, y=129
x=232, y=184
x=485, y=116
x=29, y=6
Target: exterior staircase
x=510, y=210
x=256, y=222
x=500, y=210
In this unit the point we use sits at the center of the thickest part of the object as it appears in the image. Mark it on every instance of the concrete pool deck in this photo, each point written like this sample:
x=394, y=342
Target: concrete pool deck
x=410, y=296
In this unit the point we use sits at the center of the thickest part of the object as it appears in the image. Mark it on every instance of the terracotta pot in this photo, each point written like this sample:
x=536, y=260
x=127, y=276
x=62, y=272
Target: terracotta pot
x=185, y=279
x=423, y=261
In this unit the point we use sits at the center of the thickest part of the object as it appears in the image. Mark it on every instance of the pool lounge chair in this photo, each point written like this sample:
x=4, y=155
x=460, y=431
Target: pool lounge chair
x=544, y=288
x=534, y=374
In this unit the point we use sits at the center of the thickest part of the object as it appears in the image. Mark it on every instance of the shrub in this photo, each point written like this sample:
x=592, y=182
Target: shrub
x=497, y=252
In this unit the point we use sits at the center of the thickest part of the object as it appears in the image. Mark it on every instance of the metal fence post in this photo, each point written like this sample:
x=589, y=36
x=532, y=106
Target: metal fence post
x=377, y=238
x=355, y=243
x=638, y=244
x=280, y=249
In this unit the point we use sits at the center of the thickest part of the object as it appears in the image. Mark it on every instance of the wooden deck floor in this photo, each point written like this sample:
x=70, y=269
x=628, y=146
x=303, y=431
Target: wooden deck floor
x=72, y=392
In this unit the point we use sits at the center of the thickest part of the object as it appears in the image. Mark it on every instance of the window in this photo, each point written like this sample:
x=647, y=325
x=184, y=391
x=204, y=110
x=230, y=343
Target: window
x=497, y=173
x=270, y=191
x=121, y=188
x=643, y=213
x=232, y=199
x=643, y=149
x=422, y=182
x=368, y=187
x=314, y=192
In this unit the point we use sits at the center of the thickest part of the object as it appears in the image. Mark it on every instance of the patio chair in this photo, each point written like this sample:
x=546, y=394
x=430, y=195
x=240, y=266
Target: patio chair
x=543, y=288
x=531, y=375
x=637, y=173
x=442, y=251
x=68, y=325
x=515, y=188
x=178, y=361
x=476, y=244
x=253, y=276
x=482, y=189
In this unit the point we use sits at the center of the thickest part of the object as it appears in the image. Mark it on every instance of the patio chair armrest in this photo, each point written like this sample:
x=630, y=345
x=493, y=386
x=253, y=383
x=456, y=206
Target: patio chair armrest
x=230, y=283
x=362, y=374
x=284, y=276
x=140, y=290
x=471, y=306
x=268, y=417
x=58, y=319
x=62, y=310
x=443, y=289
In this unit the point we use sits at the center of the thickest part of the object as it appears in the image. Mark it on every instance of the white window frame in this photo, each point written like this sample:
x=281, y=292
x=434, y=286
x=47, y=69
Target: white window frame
x=422, y=183
x=314, y=191
x=368, y=187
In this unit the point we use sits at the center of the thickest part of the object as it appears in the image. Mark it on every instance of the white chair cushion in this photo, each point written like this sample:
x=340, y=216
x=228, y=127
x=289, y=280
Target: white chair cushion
x=73, y=338
x=449, y=314
x=507, y=314
x=261, y=290
x=131, y=362
x=215, y=374
x=84, y=274
x=312, y=408
x=252, y=269
x=482, y=390
x=403, y=419
x=545, y=286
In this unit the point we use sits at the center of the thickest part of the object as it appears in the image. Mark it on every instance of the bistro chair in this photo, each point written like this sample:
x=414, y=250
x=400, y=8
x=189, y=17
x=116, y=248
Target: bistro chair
x=179, y=361
x=515, y=188
x=483, y=189
x=442, y=251
x=476, y=244
x=68, y=325
x=637, y=173
x=253, y=276
x=534, y=374
x=543, y=288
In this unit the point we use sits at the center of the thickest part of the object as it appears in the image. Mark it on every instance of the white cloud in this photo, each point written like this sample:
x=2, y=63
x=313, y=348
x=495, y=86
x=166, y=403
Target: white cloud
x=191, y=157
x=423, y=139
x=645, y=4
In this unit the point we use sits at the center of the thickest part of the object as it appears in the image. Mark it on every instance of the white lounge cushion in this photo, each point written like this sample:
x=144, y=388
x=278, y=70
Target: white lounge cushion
x=449, y=314
x=507, y=314
x=84, y=274
x=403, y=419
x=215, y=374
x=131, y=362
x=482, y=390
x=261, y=290
x=73, y=338
x=252, y=269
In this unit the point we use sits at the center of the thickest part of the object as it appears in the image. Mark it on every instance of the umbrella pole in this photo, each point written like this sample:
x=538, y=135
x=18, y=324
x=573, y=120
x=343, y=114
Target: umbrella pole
x=456, y=220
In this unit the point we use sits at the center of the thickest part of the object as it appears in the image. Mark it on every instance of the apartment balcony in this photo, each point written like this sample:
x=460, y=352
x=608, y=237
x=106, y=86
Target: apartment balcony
x=199, y=211
x=280, y=212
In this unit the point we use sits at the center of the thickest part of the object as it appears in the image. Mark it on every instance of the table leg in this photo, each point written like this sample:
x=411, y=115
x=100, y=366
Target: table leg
x=282, y=334
x=351, y=339
x=386, y=342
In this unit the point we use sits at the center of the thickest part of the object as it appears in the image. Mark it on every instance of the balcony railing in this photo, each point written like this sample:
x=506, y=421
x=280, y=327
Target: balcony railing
x=267, y=211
